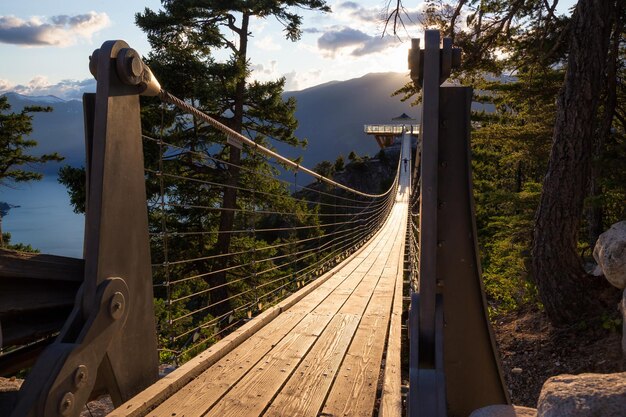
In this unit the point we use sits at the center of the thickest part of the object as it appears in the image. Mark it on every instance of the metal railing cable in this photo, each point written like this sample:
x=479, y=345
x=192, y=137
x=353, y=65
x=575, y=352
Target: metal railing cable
x=285, y=232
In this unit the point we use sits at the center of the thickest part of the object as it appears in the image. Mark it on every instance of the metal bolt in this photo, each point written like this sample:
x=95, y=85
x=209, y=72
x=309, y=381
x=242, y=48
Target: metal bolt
x=66, y=406
x=81, y=376
x=136, y=66
x=116, y=306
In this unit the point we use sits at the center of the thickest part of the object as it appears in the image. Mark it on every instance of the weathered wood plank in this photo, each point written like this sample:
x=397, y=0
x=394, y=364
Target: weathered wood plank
x=23, y=295
x=170, y=384
x=14, y=264
x=354, y=390
x=260, y=385
x=306, y=389
x=391, y=396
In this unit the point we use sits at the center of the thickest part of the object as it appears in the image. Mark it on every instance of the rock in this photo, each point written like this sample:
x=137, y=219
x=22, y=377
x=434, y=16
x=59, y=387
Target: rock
x=504, y=411
x=610, y=254
x=8, y=394
x=584, y=395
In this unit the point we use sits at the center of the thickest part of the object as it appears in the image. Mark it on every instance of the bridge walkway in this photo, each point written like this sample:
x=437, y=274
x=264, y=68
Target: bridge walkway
x=323, y=355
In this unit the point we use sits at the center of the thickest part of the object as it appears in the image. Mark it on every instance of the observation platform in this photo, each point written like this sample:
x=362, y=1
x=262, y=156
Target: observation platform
x=385, y=135
x=319, y=353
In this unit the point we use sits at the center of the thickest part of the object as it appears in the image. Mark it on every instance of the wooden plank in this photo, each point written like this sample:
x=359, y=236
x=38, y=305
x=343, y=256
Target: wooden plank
x=23, y=295
x=304, y=393
x=306, y=389
x=354, y=390
x=171, y=383
x=251, y=395
x=14, y=264
x=391, y=395
x=203, y=392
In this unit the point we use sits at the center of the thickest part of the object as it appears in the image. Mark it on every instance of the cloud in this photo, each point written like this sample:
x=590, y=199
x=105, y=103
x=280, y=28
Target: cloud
x=40, y=86
x=340, y=38
x=61, y=30
x=356, y=11
x=267, y=43
x=360, y=42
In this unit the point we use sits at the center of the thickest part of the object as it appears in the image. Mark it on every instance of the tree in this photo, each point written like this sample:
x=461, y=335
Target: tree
x=528, y=38
x=13, y=147
x=557, y=267
x=184, y=35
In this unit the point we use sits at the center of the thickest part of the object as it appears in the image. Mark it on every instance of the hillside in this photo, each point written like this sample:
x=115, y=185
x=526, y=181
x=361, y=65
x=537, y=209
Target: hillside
x=331, y=116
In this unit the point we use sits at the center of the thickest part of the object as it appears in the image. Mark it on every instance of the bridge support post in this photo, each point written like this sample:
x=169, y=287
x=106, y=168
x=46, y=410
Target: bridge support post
x=454, y=365
x=108, y=344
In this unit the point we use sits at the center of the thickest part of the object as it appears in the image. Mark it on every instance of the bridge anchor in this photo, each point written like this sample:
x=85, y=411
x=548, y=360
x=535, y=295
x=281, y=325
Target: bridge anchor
x=108, y=343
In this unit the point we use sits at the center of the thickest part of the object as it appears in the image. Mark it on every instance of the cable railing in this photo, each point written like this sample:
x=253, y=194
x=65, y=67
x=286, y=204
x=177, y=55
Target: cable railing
x=288, y=227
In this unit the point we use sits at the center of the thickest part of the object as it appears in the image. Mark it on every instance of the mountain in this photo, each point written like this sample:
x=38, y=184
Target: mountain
x=331, y=116
x=58, y=131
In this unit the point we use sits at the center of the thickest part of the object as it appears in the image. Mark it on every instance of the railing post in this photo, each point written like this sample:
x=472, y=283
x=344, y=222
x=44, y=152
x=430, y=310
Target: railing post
x=108, y=344
x=454, y=367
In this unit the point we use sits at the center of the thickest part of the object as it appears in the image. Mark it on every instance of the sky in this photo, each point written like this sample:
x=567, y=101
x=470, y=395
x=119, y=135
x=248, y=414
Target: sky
x=45, y=44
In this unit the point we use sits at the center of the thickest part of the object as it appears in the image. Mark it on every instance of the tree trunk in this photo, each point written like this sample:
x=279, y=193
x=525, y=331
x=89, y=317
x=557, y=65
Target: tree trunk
x=227, y=217
x=596, y=212
x=557, y=267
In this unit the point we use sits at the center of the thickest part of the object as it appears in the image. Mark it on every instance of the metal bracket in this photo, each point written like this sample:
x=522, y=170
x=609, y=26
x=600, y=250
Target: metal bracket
x=108, y=344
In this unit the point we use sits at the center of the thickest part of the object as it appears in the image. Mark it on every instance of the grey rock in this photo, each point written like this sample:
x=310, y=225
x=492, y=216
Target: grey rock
x=610, y=254
x=504, y=411
x=584, y=395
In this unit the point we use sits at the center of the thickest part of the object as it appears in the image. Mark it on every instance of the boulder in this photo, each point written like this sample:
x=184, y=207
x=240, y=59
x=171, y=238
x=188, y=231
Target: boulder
x=504, y=411
x=584, y=395
x=610, y=254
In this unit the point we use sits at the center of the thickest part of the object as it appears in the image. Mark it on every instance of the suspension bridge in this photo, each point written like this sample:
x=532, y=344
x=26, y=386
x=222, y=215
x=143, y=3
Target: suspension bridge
x=321, y=293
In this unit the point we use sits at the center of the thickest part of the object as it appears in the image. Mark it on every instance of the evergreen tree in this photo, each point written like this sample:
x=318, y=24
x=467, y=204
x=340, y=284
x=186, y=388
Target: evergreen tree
x=187, y=32
x=13, y=148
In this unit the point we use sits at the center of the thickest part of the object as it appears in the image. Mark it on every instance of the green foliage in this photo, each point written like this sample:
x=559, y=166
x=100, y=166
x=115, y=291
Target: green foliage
x=510, y=148
x=6, y=238
x=13, y=145
x=211, y=279
x=74, y=180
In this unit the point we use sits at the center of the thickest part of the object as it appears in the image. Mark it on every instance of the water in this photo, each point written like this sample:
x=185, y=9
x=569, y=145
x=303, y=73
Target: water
x=44, y=219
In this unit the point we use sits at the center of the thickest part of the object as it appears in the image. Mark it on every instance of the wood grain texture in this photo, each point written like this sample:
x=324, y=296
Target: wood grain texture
x=354, y=391
x=290, y=364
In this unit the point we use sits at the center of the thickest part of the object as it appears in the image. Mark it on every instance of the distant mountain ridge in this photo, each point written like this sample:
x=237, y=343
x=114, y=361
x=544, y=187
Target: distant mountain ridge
x=59, y=131
x=331, y=116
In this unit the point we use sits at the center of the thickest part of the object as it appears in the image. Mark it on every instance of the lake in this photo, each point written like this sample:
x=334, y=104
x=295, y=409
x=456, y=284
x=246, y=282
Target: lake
x=44, y=219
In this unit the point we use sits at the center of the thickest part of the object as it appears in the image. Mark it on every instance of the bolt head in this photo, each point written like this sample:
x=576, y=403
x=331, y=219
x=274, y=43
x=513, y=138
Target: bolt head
x=136, y=66
x=81, y=376
x=66, y=406
x=117, y=305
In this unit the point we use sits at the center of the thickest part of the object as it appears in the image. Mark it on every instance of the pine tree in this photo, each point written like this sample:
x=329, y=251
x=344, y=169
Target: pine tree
x=13, y=148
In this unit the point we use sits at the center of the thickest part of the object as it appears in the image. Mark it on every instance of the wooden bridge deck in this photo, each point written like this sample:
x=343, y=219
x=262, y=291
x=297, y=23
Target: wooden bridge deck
x=323, y=356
